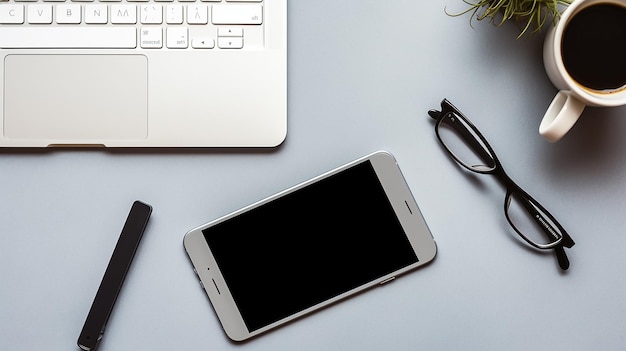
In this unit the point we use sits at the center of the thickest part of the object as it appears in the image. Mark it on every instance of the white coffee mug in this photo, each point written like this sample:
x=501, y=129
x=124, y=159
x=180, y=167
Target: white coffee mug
x=575, y=94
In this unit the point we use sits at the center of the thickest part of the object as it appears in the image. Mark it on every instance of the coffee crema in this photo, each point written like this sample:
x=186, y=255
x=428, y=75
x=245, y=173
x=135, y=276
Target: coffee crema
x=594, y=48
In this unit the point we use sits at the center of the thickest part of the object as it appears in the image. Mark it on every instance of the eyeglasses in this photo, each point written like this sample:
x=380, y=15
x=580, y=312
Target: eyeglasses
x=530, y=220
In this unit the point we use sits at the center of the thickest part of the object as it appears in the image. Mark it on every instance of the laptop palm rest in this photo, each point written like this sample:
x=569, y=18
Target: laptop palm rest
x=76, y=99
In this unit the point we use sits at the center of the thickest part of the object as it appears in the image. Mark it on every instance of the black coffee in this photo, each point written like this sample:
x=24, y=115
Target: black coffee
x=594, y=47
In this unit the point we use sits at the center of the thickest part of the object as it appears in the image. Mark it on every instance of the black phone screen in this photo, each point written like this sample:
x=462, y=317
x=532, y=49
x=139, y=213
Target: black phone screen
x=309, y=246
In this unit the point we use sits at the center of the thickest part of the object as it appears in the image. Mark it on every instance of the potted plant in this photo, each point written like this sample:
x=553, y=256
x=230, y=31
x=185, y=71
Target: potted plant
x=530, y=13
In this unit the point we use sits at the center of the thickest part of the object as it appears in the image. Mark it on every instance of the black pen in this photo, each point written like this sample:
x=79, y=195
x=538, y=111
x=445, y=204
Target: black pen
x=114, y=275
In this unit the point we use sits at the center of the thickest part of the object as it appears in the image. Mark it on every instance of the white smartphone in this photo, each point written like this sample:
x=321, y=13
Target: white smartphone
x=309, y=246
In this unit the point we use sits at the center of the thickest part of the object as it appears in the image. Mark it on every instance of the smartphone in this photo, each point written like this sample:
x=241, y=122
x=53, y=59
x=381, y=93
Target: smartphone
x=347, y=230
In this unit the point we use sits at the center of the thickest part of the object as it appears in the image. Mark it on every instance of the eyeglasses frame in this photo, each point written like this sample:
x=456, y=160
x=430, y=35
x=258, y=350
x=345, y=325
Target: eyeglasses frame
x=485, y=151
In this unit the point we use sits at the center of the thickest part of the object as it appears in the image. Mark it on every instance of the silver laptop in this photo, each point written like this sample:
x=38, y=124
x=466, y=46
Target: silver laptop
x=143, y=73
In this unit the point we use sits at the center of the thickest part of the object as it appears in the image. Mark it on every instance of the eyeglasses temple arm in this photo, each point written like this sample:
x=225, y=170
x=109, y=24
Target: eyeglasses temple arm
x=561, y=257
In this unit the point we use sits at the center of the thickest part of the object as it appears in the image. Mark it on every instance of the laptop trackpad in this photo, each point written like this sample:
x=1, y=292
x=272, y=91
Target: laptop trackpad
x=75, y=98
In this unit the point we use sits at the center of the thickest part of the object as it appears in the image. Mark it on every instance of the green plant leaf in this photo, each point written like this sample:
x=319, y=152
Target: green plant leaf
x=533, y=13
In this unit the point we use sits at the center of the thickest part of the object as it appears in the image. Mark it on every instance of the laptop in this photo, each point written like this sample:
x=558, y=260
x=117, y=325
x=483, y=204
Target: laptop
x=143, y=73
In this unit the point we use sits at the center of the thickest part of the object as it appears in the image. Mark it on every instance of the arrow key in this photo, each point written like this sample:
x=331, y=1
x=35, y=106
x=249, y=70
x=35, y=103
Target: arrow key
x=230, y=42
x=202, y=43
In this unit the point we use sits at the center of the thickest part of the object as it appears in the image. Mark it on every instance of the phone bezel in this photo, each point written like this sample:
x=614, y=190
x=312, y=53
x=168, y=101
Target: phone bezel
x=402, y=202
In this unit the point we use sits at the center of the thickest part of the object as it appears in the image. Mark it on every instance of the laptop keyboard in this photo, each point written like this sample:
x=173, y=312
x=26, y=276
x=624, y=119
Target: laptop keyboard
x=132, y=24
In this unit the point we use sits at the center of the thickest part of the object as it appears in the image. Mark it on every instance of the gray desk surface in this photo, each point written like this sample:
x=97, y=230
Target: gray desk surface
x=362, y=75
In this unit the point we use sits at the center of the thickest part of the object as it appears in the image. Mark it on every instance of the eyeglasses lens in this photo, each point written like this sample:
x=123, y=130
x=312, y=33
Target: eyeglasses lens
x=531, y=222
x=464, y=144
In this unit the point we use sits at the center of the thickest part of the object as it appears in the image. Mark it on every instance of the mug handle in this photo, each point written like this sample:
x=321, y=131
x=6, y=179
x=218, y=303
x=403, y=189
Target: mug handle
x=561, y=115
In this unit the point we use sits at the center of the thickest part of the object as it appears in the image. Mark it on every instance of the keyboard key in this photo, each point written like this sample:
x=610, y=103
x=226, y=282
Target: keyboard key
x=237, y=14
x=68, y=37
x=229, y=43
x=151, y=37
x=174, y=14
x=40, y=13
x=230, y=32
x=151, y=14
x=123, y=14
x=202, y=43
x=197, y=14
x=96, y=14
x=177, y=38
x=68, y=14
x=11, y=14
